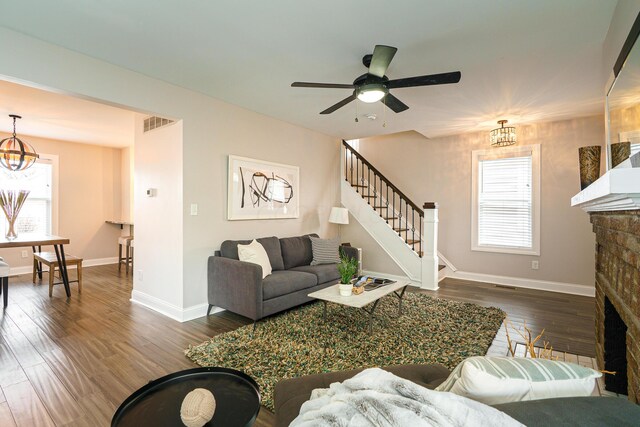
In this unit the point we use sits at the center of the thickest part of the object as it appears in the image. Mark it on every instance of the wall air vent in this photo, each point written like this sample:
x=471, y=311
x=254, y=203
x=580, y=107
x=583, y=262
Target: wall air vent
x=154, y=122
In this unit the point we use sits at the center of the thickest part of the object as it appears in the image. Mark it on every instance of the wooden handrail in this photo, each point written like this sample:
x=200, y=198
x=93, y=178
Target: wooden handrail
x=383, y=178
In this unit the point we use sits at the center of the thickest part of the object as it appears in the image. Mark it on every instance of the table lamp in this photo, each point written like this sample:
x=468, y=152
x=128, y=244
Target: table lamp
x=339, y=216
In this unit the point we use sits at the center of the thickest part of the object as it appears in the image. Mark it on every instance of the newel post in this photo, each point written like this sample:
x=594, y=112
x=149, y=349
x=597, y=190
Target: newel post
x=430, y=248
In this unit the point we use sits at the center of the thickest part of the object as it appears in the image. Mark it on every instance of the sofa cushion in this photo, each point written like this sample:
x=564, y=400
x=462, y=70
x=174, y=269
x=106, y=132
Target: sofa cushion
x=325, y=251
x=494, y=380
x=284, y=282
x=229, y=249
x=296, y=251
x=254, y=253
x=574, y=411
x=324, y=272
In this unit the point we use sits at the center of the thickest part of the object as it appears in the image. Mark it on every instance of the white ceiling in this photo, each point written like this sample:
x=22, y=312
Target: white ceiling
x=56, y=116
x=521, y=60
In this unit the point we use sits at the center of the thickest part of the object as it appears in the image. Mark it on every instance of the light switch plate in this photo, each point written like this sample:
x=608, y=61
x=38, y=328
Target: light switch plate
x=194, y=209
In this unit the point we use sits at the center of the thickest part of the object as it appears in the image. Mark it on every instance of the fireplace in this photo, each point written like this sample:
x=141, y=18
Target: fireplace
x=618, y=299
x=615, y=349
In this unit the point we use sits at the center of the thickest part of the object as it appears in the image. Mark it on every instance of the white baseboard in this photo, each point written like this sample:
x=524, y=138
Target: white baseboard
x=446, y=262
x=156, y=304
x=519, y=282
x=196, y=311
x=28, y=269
x=99, y=261
x=172, y=311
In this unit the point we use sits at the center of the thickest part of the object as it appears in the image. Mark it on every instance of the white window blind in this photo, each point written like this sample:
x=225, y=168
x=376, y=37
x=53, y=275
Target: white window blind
x=36, y=213
x=505, y=202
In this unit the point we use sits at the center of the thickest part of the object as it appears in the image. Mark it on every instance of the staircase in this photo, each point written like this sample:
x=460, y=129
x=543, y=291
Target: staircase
x=397, y=224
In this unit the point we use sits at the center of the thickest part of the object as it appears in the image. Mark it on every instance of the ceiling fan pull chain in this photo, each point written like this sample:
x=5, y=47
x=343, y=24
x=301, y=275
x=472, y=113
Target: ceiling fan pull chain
x=384, y=112
x=356, y=111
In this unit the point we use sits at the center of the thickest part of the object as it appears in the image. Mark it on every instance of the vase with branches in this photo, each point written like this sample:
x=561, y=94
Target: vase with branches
x=11, y=202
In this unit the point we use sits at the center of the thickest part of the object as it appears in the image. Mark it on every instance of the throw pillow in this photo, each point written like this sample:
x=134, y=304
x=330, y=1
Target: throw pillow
x=254, y=252
x=494, y=380
x=325, y=251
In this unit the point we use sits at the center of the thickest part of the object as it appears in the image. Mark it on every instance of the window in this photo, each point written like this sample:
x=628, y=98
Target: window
x=38, y=212
x=506, y=200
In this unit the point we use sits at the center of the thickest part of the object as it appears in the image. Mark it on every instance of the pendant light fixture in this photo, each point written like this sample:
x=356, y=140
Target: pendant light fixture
x=502, y=136
x=15, y=154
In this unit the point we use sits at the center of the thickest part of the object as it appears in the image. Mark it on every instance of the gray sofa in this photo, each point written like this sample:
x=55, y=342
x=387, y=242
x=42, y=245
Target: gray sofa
x=290, y=394
x=239, y=287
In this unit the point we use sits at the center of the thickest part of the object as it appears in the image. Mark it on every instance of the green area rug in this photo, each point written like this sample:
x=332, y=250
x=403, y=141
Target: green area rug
x=297, y=342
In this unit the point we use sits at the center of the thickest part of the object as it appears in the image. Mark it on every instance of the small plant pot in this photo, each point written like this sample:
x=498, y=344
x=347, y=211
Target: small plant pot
x=346, y=289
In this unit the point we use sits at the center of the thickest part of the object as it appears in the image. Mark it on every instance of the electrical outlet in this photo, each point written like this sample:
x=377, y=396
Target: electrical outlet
x=535, y=265
x=194, y=209
x=25, y=254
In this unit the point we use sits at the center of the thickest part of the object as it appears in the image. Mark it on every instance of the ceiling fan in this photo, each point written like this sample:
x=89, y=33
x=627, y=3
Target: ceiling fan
x=374, y=85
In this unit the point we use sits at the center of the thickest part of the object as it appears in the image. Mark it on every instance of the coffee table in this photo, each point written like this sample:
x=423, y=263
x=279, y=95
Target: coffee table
x=332, y=294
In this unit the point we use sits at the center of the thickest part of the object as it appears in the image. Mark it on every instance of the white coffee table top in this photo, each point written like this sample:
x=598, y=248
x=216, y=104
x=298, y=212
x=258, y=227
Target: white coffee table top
x=332, y=294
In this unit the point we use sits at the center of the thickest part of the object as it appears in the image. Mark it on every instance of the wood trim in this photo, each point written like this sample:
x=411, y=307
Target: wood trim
x=27, y=240
x=627, y=46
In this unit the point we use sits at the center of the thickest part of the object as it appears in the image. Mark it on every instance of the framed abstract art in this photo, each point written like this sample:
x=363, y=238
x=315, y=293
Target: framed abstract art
x=262, y=190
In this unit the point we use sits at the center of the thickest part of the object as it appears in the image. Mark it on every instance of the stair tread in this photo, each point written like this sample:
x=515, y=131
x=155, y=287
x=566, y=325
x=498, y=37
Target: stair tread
x=358, y=185
x=400, y=229
x=441, y=266
x=380, y=207
x=411, y=242
x=390, y=217
x=367, y=196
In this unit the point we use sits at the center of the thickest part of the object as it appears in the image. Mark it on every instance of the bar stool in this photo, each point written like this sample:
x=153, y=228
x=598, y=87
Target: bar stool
x=4, y=281
x=126, y=242
x=131, y=249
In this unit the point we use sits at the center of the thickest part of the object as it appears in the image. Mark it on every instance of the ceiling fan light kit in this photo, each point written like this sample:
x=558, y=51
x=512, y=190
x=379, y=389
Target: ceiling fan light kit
x=372, y=92
x=15, y=154
x=503, y=136
x=374, y=86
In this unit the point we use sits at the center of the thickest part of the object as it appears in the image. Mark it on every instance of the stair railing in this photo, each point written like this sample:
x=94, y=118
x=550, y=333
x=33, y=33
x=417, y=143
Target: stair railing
x=386, y=199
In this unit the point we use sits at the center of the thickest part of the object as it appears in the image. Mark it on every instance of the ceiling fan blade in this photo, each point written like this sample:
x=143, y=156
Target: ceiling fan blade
x=432, y=79
x=340, y=104
x=323, y=85
x=382, y=56
x=395, y=104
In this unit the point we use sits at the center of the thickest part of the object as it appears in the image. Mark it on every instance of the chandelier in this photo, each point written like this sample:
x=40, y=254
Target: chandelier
x=502, y=136
x=15, y=154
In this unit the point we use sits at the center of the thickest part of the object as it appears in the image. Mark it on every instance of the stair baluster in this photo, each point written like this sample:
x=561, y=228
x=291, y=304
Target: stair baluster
x=379, y=190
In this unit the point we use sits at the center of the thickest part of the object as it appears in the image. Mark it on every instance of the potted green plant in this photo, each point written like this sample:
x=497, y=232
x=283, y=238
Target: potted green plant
x=347, y=267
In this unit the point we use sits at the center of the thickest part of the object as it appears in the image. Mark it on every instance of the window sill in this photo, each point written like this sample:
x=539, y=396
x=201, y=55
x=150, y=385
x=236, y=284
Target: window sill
x=503, y=250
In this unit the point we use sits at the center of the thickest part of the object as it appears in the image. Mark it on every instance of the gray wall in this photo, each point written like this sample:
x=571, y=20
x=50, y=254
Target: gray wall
x=440, y=170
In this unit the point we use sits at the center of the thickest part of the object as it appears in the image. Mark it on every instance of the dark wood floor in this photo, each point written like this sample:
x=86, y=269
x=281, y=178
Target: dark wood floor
x=71, y=363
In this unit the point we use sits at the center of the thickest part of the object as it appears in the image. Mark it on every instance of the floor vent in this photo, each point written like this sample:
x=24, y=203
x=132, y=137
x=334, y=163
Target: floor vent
x=154, y=122
x=506, y=287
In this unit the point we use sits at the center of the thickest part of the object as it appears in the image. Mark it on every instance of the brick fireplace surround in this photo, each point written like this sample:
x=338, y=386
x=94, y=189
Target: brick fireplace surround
x=618, y=280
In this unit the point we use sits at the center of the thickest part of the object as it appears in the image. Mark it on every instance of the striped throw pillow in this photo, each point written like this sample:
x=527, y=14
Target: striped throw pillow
x=494, y=380
x=325, y=251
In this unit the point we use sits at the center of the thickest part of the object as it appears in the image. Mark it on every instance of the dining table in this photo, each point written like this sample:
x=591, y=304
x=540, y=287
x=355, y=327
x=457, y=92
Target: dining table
x=26, y=240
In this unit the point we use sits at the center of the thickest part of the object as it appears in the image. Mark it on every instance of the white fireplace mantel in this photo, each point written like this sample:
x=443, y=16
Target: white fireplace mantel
x=616, y=190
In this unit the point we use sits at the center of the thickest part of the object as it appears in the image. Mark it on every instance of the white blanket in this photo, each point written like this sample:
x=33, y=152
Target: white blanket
x=378, y=398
